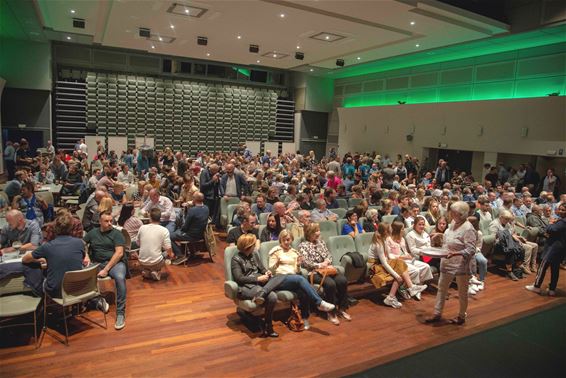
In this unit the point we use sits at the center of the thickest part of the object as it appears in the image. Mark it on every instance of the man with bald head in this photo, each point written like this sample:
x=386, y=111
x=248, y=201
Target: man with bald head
x=193, y=228
x=19, y=229
x=232, y=184
x=164, y=204
x=285, y=215
x=91, y=215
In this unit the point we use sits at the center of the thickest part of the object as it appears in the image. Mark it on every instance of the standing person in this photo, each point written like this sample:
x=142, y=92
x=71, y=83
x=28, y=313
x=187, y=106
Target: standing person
x=460, y=242
x=106, y=247
x=10, y=159
x=553, y=255
x=210, y=188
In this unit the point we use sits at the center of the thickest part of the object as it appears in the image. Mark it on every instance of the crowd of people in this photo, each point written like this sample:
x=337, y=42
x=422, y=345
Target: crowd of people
x=146, y=203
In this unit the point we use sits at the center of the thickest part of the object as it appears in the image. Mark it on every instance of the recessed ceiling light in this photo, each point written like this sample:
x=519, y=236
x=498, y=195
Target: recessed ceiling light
x=68, y=38
x=282, y=15
x=187, y=11
x=412, y=22
x=172, y=26
x=257, y=61
x=311, y=70
x=298, y=47
x=152, y=46
x=358, y=58
x=417, y=45
x=73, y=11
x=275, y=55
x=239, y=37
x=207, y=54
x=327, y=37
x=160, y=39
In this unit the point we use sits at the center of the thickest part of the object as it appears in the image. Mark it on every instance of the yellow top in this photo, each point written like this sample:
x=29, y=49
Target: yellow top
x=281, y=262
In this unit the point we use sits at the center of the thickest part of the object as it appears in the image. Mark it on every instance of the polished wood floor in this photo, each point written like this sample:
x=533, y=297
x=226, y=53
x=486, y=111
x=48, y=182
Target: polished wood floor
x=184, y=326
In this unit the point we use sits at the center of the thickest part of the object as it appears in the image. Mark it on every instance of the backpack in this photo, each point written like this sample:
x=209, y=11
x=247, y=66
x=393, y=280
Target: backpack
x=357, y=259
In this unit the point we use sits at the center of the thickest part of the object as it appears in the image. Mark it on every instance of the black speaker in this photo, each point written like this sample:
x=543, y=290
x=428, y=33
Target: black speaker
x=340, y=62
x=254, y=49
x=409, y=137
x=78, y=23
x=145, y=33
x=167, y=65
x=299, y=55
x=203, y=41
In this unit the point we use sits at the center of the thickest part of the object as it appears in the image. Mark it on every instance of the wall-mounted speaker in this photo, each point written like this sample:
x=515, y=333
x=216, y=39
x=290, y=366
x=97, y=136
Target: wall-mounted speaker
x=340, y=62
x=409, y=137
x=145, y=32
x=203, y=41
x=254, y=49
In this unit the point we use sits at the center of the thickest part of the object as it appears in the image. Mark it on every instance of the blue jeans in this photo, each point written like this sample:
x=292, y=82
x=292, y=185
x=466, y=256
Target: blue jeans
x=306, y=293
x=482, y=265
x=118, y=273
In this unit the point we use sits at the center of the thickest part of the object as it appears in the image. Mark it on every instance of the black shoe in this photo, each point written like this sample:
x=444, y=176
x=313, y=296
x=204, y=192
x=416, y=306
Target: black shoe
x=351, y=301
x=269, y=332
x=433, y=319
x=179, y=260
x=512, y=276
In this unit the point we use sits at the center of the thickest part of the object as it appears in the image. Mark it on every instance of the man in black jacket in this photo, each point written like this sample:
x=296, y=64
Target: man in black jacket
x=193, y=227
x=210, y=188
x=232, y=184
x=553, y=254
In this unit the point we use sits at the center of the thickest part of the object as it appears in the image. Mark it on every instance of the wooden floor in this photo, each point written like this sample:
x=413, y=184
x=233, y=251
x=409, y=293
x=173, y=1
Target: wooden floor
x=184, y=326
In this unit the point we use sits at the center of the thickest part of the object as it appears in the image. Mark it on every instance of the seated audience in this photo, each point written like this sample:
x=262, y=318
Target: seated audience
x=272, y=230
x=106, y=248
x=76, y=230
x=129, y=221
x=315, y=258
x=321, y=213
x=14, y=187
x=194, y=226
x=32, y=206
x=352, y=227
x=125, y=176
x=44, y=175
x=165, y=205
x=19, y=229
x=386, y=268
x=261, y=206
x=371, y=221
x=298, y=228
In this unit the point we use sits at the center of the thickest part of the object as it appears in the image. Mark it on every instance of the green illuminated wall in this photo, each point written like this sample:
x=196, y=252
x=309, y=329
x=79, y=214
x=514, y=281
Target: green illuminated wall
x=523, y=73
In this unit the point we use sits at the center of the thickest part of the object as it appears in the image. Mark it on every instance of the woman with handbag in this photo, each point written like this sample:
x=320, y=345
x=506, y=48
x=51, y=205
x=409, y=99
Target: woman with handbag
x=316, y=258
x=284, y=261
x=387, y=268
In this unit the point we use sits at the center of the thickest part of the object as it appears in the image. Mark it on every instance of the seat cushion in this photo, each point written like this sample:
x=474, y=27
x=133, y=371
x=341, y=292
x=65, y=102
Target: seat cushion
x=14, y=305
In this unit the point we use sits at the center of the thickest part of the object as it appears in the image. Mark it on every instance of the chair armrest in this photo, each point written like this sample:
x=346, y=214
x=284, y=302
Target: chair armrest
x=231, y=289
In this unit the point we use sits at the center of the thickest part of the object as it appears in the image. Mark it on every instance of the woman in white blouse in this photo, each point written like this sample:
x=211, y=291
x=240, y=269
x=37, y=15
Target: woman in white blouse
x=418, y=270
x=460, y=243
x=387, y=268
x=418, y=240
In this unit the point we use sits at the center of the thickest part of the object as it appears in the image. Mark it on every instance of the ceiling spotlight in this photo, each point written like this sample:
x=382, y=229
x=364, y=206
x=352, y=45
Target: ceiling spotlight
x=257, y=61
x=68, y=38
x=358, y=58
x=311, y=70
x=340, y=62
x=239, y=37
x=412, y=23
x=73, y=11
x=152, y=46
x=417, y=45
x=172, y=26
x=282, y=15
x=298, y=47
x=275, y=55
x=327, y=37
x=207, y=54
x=160, y=39
x=187, y=11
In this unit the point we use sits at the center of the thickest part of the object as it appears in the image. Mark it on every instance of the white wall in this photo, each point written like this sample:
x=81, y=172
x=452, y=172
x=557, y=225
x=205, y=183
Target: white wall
x=384, y=128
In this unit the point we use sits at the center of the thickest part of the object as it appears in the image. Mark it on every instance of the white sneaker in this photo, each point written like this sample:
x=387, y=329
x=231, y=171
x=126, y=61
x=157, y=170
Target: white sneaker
x=475, y=281
x=325, y=306
x=392, y=301
x=533, y=288
x=471, y=290
x=306, y=324
x=551, y=293
x=415, y=289
x=480, y=286
x=418, y=296
x=156, y=275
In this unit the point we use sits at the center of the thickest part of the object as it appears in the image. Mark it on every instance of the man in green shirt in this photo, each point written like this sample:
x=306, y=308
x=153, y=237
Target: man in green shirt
x=106, y=247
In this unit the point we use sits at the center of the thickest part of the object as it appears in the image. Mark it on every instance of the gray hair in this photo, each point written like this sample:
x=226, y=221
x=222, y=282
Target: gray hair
x=506, y=214
x=461, y=207
x=371, y=213
x=320, y=202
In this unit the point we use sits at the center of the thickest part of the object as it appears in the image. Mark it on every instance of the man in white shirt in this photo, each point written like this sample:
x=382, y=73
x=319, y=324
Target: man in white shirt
x=83, y=147
x=165, y=205
x=125, y=176
x=155, y=246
